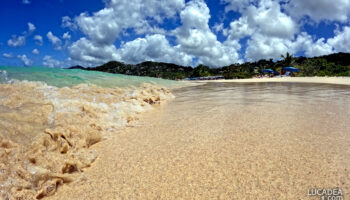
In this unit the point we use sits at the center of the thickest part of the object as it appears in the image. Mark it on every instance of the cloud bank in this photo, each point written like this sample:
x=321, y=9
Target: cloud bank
x=181, y=32
x=271, y=27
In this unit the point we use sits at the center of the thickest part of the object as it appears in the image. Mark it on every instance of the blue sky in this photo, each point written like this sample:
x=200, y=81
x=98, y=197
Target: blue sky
x=62, y=33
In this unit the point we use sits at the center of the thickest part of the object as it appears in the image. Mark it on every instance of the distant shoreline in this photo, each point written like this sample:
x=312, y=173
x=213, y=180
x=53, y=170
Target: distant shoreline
x=325, y=80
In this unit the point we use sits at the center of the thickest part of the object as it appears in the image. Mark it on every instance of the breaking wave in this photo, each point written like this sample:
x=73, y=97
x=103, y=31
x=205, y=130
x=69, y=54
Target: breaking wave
x=46, y=131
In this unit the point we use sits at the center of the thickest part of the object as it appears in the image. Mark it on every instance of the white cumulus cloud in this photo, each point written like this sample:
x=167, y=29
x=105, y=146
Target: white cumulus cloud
x=195, y=37
x=35, y=51
x=26, y=61
x=56, y=41
x=270, y=27
x=273, y=29
x=334, y=10
x=16, y=41
x=66, y=36
x=153, y=48
x=262, y=47
x=240, y=28
x=38, y=39
x=7, y=55
x=266, y=19
x=237, y=5
x=311, y=46
x=48, y=61
x=107, y=24
x=102, y=28
x=87, y=51
x=68, y=22
x=270, y=31
x=31, y=27
x=341, y=41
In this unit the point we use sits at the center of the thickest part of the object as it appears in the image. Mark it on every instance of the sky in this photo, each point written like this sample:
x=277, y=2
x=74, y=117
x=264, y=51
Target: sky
x=63, y=33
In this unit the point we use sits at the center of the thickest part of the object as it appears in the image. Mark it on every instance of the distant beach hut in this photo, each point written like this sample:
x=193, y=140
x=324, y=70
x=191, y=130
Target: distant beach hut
x=291, y=69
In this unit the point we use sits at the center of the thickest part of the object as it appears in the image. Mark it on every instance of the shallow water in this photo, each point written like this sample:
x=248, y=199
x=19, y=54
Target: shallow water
x=61, y=135
x=70, y=77
x=265, y=93
x=228, y=141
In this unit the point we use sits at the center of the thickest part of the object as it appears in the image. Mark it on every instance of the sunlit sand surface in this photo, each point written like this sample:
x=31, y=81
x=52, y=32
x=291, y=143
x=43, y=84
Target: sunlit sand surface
x=227, y=141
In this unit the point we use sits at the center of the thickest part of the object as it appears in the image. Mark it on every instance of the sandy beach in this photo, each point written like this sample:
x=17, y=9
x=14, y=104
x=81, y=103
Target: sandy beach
x=227, y=141
x=175, y=99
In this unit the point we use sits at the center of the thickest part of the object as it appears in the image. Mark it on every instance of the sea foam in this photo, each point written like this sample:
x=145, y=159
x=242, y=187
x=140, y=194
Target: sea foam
x=46, y=131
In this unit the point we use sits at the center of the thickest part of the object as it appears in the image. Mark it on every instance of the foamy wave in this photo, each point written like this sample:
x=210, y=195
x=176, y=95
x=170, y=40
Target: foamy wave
x=3, y=76
x=46, y=132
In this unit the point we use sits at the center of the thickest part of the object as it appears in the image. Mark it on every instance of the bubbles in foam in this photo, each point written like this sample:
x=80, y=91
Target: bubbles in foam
x=3, y=76
x=46, y=132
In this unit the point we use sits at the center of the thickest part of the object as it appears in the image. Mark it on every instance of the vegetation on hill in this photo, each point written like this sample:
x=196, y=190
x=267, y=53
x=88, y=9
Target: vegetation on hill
x=152, y=69
x=330, y=65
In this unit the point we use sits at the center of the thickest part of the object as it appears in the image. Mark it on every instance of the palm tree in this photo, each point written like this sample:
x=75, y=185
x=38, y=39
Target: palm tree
x=288, y=59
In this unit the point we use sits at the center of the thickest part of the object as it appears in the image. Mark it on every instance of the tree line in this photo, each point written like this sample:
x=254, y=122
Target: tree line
x=330, y=65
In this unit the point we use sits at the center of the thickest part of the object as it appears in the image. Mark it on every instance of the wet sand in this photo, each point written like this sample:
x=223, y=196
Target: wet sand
x=227, y=141
x=322, y=80
x=46, y=132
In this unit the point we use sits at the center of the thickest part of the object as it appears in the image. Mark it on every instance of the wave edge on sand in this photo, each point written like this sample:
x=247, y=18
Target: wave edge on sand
x=47, y=132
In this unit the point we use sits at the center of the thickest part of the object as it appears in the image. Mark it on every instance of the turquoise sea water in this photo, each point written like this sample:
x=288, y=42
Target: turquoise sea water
x=70, y=77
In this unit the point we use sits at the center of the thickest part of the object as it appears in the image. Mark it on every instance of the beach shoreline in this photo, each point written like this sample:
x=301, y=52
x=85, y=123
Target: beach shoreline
x=321, y=80
x=210, y=144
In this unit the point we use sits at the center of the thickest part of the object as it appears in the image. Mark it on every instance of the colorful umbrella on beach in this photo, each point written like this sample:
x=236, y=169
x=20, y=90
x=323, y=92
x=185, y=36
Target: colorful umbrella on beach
x=291, y=69
x=270, y=71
